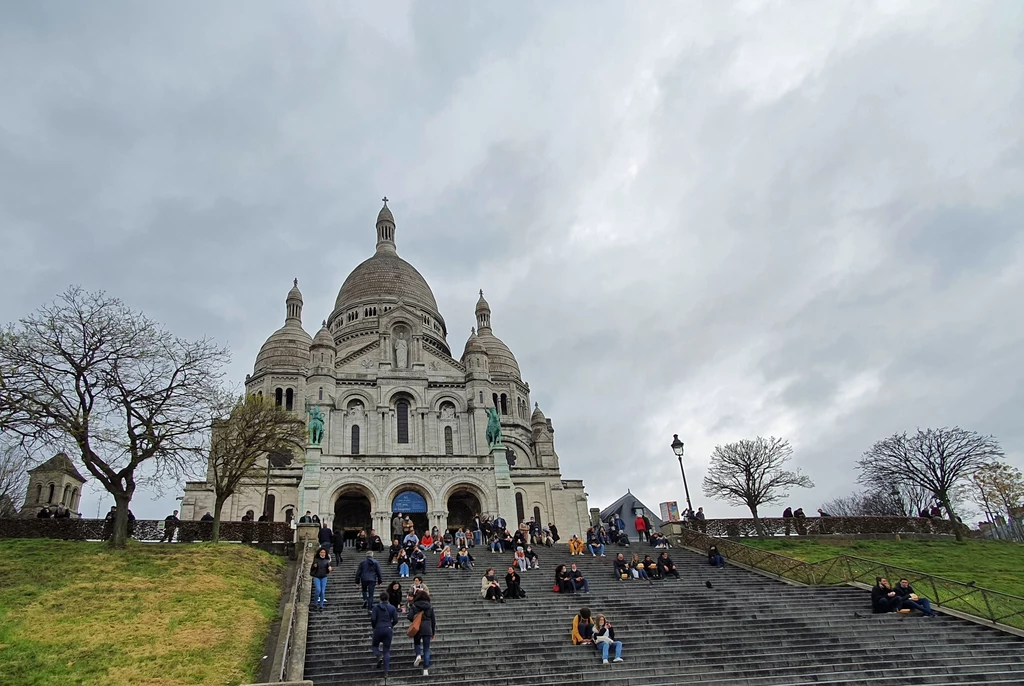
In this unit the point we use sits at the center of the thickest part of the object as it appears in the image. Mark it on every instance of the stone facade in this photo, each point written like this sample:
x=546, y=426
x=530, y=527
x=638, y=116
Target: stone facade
x=54, y=482
x=402, y=415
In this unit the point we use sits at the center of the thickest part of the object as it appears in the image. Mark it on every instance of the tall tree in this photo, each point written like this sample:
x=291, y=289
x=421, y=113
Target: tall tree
x=254, y=437
x=14, y=463
x=110, y=387
x=882, y=500
x=999, y=487
x=940, y=461
x=751, y=473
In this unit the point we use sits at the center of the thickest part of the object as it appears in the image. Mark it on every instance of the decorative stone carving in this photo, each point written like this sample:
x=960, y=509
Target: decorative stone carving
x=366, y=363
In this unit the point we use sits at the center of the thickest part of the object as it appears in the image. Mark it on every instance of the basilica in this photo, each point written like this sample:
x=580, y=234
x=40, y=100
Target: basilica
x=404, y=421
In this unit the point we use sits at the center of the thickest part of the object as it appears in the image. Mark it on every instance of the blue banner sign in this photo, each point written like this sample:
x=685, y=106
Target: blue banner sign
x=409, y=501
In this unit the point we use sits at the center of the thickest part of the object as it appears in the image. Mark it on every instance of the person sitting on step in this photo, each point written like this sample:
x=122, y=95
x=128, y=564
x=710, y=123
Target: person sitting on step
x=602, y=535
x=464, y=560
x=715, y=558
x=652, y=567
x=604, y=638
x=911, y=600
x=658, y=540
x=427, y=542
x=446, y=560
x=395, y=595
x=496, y=544
x=637, y=568
x=531, y=557
x=545, y=538
x=582, y=632
x=410, y=542
x=403, y=563
x=575, y=545
x=666, y=567
x=513, y=588
x=621, y=567
x=563, y=583
x=362, y=541
x=884, y=599
x=393, y=551
x=490, y=589
x=460, y=540
x=418, y=560
x=578, y=580
x=418, y=585
x=594, y=544
x=519, y=559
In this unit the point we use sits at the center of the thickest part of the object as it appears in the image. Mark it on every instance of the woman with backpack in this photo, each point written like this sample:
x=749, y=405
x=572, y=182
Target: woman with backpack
x=422, y=629
x=319, y=571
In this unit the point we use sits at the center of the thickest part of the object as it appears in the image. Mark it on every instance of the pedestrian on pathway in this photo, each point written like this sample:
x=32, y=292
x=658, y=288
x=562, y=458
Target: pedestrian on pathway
x=383, y=618
x=422, y=611
x=326, y=538
x=367, y=577
x=171, y=523
x=319, y=571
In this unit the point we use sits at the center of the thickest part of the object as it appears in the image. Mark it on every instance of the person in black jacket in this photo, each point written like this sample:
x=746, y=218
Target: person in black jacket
x=395, y=594
x=46, y=514
x=171, y=522
x=884, y=599
x=326, y=538
x=376, y=545
x=208, y=517
x=562, y=579
x=393, y=551
x=383, y=618
x=666, y=566
x=621, y=567
x=338, y=544
x=428, y=627
x=715, y=558
x=367, y=577
x=319, y=571
x=513, y=589
x=911, y=600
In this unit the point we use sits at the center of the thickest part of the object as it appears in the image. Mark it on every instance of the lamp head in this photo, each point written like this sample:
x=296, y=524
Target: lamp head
x=677, y=445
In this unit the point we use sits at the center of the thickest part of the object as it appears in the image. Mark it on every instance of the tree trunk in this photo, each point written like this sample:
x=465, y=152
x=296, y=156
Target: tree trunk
x=218, y=506
x=757, y=520
x=119, y=536
x=952, y=518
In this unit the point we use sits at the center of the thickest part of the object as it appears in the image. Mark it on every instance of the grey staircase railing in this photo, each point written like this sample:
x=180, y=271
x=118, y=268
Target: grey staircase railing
x=980, y=603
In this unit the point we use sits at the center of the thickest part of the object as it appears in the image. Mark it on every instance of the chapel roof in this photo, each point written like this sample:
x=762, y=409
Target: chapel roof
x=59, y=463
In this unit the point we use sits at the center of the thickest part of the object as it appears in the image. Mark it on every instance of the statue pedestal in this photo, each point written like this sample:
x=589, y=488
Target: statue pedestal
x=503, y=481
x=309, y=487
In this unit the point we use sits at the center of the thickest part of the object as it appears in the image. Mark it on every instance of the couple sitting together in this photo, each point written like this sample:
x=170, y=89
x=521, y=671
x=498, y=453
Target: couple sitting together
x=600, y=634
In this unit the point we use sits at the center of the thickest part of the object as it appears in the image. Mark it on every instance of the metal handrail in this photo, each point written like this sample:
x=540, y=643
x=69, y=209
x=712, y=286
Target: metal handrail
x=982, y=603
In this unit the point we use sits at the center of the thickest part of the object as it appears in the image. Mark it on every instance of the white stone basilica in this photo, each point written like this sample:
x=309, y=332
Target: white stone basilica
x=404, y=421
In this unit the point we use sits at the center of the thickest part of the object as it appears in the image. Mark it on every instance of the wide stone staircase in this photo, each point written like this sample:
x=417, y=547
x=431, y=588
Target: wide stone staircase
x=745, y=629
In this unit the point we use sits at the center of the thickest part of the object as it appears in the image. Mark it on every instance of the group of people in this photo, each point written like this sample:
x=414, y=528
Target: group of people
x=597, y=539
x=60, y=512
x=588, y=631
x=901, y=598
x=422, y=623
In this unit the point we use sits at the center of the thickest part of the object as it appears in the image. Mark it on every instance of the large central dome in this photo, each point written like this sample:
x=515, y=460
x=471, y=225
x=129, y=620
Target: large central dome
x=385, y=275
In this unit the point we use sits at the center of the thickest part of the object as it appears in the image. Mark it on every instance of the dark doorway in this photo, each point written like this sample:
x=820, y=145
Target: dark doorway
x=462, y=507
x=352, y=514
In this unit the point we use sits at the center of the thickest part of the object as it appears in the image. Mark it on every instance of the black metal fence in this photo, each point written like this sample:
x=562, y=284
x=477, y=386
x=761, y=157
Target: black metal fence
x=983, y=603
x=146, y=530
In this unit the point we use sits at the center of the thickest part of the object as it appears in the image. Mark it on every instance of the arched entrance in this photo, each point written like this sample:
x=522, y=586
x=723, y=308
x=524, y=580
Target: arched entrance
x=463, y=505
x=413, y=504
x=352, y=514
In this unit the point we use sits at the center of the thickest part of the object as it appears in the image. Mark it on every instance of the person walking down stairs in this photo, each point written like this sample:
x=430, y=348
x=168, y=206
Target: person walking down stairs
x=320, y=569
x=421, y=612
x=383, y=619
x=604, y=639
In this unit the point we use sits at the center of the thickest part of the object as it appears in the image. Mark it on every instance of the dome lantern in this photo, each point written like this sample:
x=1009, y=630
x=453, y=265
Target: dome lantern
x=386, y=229
x=483, y=314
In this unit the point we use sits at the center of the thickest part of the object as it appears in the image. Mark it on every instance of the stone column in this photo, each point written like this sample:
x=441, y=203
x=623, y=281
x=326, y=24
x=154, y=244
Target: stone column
x=503, y=481
x=309, y=486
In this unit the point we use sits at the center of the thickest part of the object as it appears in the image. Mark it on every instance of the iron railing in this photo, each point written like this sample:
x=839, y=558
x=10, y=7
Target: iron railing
x=984, y=604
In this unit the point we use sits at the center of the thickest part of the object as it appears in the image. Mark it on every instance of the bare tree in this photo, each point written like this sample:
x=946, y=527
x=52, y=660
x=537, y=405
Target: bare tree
x=750, y=472
x=256, y=436
x=882, y=500
x=106, y=384
x=999, y=488
x=941, y=461
x=14, y=464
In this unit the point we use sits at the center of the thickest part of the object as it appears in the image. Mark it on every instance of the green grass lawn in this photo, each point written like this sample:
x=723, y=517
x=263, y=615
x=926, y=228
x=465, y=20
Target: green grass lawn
x=991, y=564
x=79, y=613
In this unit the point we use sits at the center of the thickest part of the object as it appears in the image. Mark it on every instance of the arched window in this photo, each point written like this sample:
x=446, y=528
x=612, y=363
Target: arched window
x=321, y=393
x=449, y=448
x=64, y=496
x=289, y=515
x=536, y=515
x=355, y=439
x=39, y=492
x=74, y=499
x=278, y=396
x=49, y=497
x=289, y=397
x=268, y=507
x=402, y=415
x=259, y=393
x=504, y=404
x=494, y=397
x=520, y=509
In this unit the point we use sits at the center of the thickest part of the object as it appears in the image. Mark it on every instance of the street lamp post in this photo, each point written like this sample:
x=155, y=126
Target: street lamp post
x=677, y=448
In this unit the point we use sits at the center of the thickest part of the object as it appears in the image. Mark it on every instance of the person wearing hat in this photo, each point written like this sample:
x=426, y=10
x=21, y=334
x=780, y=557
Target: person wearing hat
x=368, y=575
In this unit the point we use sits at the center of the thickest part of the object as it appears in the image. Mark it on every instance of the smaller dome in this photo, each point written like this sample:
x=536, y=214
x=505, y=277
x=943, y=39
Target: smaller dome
x=481, y=304
x=294, y=293
x=473, y=345
x=502, y=361
x=323, y=338
x=385, y=214
x=537, y=417
x=287, y=348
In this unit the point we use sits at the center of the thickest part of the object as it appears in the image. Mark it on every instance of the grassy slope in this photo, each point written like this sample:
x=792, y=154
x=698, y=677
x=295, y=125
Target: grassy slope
x=77, y=613
x=992, y=564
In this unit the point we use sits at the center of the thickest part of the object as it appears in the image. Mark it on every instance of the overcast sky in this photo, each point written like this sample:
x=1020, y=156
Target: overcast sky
x=799, y=219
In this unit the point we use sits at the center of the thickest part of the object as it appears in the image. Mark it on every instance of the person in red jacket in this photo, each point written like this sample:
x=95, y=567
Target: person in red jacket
x=641, y=528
